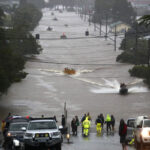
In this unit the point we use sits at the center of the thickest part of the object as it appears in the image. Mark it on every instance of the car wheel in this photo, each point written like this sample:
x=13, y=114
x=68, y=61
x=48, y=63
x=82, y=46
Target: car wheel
x=142, y=146
x=58, y=146
x=27, y=147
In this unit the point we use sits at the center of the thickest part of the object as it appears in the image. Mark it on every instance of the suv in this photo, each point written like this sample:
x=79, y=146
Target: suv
x=130, y=129
x=15, y=132
x=42, y=132
x=142, y=133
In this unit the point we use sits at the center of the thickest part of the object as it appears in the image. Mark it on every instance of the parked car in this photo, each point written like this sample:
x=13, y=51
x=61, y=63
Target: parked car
x=142, y=133
x=13, y=138
x=130, y=129
x=42, y=132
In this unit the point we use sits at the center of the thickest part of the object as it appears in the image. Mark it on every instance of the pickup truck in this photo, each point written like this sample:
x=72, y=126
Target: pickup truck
x=142, y=134
x=42, y=133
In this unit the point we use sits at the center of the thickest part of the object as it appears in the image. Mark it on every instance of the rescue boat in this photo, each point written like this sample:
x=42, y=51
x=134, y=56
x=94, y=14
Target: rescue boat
x=63, y=36
x=123, y=89
x=69, y=71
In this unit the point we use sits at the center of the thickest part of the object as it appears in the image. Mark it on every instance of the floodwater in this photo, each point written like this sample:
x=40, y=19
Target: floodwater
x=95, y=86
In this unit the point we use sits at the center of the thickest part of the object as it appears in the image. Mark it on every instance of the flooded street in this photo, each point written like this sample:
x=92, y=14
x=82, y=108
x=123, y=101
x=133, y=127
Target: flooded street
x=94, y=88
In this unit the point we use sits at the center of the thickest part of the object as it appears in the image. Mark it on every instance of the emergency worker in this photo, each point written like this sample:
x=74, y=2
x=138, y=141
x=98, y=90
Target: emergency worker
x=98, y=123
x=103, y=120
x=86, y=126
x=89, y=117
x=83, y=118
x=108, y=122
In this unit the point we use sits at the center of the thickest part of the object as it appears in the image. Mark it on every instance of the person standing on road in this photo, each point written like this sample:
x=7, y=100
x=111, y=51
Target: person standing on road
x=123, y=134
x=77, y=124
x=63, y=121
x=89, y=117
x=102, y=118
x=108, y=122
x=86, y=126
x=98, y=123
x=73, y=126
x=83, y=118
x=113, y=122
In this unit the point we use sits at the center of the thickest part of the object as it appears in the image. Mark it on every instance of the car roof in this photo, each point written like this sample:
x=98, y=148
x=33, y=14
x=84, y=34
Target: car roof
x=41, y=120
x=131, y=119
x=19, y=123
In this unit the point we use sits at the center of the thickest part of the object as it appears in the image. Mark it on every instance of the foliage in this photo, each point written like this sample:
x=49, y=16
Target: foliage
x=26, y=17
x=141, y=72
x=145, y=20
x=132, y=55
x=117, y=10
x=1, y=16
x=17, y=42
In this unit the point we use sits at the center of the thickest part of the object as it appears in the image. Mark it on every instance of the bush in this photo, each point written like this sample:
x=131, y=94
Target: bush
x=141, y=71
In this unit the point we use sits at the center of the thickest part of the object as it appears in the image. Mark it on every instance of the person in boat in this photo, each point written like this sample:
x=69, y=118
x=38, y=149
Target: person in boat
x=123, y=88
x=123, y=85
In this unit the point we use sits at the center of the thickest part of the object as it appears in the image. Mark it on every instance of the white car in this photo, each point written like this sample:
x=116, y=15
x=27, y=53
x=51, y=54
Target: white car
x=42, y=132
x=142, y=134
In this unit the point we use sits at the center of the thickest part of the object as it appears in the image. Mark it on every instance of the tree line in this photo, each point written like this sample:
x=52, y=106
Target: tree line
x=16, y=41
x=116, y=10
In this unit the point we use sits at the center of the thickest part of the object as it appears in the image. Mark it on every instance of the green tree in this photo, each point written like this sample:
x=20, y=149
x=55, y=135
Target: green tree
x=123, y=11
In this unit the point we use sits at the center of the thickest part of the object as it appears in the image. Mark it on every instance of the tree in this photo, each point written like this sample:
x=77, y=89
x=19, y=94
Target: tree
x=1, y=16
x=123, y=11
x=118, y=10
x=145, y=20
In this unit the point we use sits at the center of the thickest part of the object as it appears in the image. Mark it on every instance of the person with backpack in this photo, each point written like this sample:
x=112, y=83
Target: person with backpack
x=123, y=134
x=113, y=122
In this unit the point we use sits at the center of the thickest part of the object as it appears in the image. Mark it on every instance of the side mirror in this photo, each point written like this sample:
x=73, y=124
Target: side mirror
x=23, y=129
x=60, y=127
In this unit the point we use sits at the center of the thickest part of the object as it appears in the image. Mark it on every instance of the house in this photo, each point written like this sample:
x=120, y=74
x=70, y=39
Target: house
x=119, y=26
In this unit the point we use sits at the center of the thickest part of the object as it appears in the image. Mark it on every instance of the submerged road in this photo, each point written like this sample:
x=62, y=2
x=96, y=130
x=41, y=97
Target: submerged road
x=94, y=88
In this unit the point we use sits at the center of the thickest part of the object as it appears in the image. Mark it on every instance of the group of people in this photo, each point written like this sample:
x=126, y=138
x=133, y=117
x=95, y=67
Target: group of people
x=74, y=125
x=86, y=122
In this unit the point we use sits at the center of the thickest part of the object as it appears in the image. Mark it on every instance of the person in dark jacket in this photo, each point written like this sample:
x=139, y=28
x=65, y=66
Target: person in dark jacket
x=77, y=124
x=73, y=126
x=63, y=121
x=113, y=122
x=102, y=118
x=123, y=134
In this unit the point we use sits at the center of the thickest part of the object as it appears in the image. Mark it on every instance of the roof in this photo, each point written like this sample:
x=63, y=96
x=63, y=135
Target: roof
x=117, y=23
x=42, y=120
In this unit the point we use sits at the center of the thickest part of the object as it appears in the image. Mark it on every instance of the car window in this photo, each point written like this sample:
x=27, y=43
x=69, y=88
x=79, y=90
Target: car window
x=130, y=123
x=147, y=123
x=17, y=127
x=42, y=125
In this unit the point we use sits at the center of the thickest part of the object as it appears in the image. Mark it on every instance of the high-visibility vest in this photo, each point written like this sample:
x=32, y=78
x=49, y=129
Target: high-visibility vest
x=86, y=124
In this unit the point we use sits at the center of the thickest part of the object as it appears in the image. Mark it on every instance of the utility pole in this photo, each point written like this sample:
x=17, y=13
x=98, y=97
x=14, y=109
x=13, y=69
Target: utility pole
x=125, y=40
x=136, y=38
x=148, y=61
x=100, y=27
x=136, y=42
x=115, y=38
x=106, y=26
